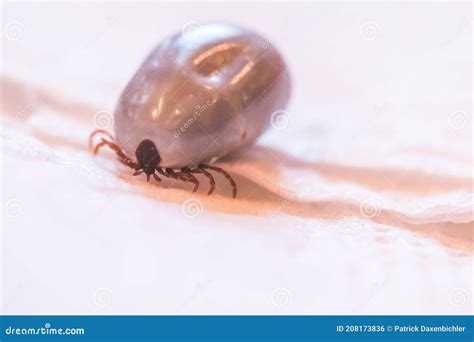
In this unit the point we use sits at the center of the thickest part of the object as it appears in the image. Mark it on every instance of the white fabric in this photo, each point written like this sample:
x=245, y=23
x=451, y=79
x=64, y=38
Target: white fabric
x=359, y=202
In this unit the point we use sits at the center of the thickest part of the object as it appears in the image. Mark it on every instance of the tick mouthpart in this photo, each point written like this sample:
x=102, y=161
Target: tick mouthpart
x=149, y=171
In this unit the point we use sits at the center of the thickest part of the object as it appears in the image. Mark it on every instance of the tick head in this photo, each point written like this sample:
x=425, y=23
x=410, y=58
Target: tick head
x=148, y=157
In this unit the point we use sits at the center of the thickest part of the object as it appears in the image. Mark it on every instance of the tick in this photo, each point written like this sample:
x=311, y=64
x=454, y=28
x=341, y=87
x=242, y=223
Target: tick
x=197, y=98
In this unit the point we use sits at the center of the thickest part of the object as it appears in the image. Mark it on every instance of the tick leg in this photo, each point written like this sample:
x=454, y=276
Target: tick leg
x=169, y=172
x=211, y=180
x=158, y=179
x=99, y=131
x=191, y=179
x=161, y=172
x=205, y=173
x=226, y=175
x=122, y=157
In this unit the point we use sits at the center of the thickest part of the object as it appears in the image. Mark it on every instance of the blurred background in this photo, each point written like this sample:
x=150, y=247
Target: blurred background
x=359, y=200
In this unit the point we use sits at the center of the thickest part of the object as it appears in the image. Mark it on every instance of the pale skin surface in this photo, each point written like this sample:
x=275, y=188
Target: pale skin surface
x=203, y=97
x=360, y=204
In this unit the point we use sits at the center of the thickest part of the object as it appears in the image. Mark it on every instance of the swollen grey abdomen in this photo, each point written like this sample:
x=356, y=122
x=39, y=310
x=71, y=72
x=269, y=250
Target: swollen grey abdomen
x=203, y=96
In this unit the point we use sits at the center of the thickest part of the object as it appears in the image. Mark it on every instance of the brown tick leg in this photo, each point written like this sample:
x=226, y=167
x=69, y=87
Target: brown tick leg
x=190, y=177
x=206, y=174
x=99, y=131
x=226, y=175
x=169, y=172
x=158, y=179
x=161, y=172
x=122, y=157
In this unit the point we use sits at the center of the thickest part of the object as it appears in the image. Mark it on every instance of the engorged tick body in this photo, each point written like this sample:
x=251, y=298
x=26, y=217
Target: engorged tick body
x=196, y=99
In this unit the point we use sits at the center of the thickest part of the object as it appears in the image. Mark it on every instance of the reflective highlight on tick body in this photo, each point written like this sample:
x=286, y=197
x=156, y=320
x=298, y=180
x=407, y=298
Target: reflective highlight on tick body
x=203, y=98
x=196, y=100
